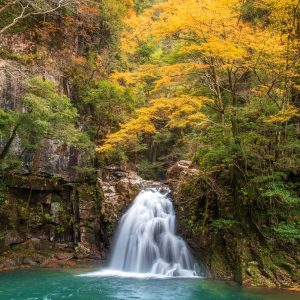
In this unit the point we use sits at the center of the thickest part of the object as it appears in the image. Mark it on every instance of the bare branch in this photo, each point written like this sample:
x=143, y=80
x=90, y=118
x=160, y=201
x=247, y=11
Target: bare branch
x=31, y=9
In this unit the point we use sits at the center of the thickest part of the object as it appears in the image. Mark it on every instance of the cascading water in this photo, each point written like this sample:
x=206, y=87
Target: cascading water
x=145, y=241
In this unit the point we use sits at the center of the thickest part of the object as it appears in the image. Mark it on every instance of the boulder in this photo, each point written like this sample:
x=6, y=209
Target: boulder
x=64, y=255
x=174, y=171
x=82, y=251
x=29, y=261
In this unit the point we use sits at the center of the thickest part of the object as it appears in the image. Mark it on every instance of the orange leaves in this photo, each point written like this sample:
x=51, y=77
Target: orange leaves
x=80, y=60
x=205, y=46
x=129, y=132
x=176, y=72
x=223, y=49
x=88, y=9
x=163, y=75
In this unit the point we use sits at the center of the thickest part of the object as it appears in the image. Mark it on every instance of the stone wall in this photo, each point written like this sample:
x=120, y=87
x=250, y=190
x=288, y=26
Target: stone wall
x=43, y=218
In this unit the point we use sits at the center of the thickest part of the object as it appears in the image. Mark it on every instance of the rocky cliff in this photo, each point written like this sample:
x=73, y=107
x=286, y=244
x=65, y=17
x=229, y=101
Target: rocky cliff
x=227, y=251
x=48, y=218
x=53, y=158
x=45, y=218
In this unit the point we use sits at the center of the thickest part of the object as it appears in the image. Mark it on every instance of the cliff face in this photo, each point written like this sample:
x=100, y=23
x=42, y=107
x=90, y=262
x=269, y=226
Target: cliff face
x=232, y=252
x=47, y=209
x=44, y=207
x=47, y=218
x=53, y=158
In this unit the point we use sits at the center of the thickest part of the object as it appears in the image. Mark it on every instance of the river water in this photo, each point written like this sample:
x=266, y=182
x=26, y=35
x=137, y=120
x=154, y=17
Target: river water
x=45, y=284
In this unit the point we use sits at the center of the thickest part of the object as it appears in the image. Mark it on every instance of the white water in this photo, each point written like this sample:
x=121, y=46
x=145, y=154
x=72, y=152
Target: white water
x=146, y=243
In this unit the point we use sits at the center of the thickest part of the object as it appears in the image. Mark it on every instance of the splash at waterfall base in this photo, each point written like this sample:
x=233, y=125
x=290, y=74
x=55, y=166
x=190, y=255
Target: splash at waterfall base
x=145, y=243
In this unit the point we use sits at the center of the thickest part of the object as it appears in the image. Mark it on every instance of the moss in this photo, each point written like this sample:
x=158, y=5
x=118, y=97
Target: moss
x=230, y=249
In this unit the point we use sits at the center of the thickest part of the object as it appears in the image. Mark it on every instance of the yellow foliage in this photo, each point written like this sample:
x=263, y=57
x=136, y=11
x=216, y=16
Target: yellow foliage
x=171, y=112
x=209, y=29
x=217, y=46
x=284, y=115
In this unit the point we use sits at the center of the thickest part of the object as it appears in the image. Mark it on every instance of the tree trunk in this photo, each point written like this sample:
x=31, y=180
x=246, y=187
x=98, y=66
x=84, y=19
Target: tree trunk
x=218, y=92
x=8, y=143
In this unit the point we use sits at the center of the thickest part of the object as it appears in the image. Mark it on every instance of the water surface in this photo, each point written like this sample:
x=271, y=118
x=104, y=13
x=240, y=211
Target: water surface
x=48, y=284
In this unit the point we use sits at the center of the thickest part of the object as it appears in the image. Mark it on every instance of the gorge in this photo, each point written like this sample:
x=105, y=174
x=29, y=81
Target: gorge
x=118, y=116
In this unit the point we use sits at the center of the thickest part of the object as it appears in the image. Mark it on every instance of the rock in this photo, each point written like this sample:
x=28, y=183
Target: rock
x=35, y=240
x=13, y=237
x=110, y=189
x=10, y=263
x=120, y=185
x=82, y=251
x=55, y=212
x=29, y=261
x=248, y=270
x=54, y=157
x=44, y=261
x=62, y=246
x=174, y=171
x=94, y=256
x=64, y=255
x=179, y=173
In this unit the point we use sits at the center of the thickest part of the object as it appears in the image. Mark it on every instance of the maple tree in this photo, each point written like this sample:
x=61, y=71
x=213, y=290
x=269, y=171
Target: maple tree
x=214, y=47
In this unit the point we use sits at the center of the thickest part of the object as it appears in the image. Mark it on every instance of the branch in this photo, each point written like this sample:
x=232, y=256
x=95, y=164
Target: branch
x=269, y=86
x=16, y=19
x=24, y=14
x=7, y=5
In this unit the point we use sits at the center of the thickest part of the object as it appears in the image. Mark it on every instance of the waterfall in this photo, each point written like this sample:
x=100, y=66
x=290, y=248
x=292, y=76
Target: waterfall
x=145, y=241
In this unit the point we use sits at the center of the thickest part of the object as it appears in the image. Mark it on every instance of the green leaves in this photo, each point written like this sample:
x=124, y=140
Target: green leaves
x=288, y=232
x=222, y=224
x=46, y=113
x=49, y=113
x=105, y=105
x=278, y=191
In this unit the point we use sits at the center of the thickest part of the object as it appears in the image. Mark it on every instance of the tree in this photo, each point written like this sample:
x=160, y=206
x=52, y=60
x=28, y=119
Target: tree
x=18, y=10
x=104, y=106
x=207, y=44
x=247, y=67
x=177, y=112
x=46, y=113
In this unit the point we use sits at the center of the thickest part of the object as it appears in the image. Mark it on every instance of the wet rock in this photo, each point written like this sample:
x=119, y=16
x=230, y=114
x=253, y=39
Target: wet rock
x=55, y=212
x=10, y=263
x=120, y=186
